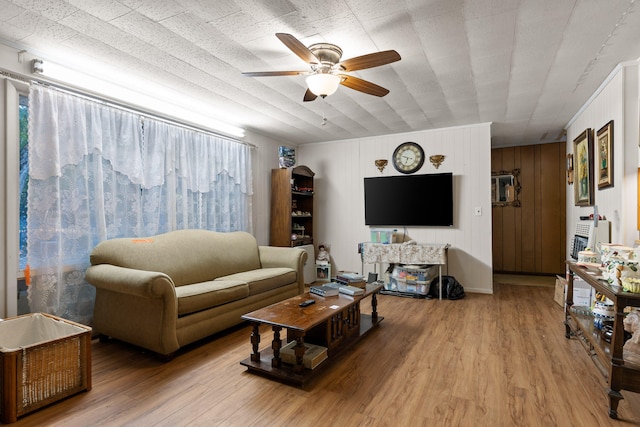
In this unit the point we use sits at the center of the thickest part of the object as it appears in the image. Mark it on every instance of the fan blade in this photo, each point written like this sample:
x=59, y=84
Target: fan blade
x=309, y=96
x=298, y=48
x=358, y=84
x=274, y=73
x=369, y=61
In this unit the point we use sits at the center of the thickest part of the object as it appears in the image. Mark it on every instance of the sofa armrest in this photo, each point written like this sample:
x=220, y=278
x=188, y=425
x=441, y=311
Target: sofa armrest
x=295, y=258
x=136, y=306
x=146, y=284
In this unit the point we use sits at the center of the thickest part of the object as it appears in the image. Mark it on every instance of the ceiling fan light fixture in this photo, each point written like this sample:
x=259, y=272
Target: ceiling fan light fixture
x=323, y=84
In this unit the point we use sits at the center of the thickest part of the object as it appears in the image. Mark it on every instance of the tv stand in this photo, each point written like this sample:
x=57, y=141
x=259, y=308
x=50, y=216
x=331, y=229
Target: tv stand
x=404, y=253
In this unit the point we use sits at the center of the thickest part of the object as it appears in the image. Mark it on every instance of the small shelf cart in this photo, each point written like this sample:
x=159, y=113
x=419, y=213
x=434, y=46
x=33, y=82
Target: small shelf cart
x=404, y=253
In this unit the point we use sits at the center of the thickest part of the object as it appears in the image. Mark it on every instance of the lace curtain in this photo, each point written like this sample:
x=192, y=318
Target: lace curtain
x=97, y=172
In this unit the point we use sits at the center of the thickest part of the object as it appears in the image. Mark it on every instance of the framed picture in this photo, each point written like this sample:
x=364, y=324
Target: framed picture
x=583, y=168
x=505, y=188
x=286, y=157
x=605, y=156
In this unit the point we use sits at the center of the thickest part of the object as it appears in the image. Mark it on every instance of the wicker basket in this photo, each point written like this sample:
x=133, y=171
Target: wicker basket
x=44, y=359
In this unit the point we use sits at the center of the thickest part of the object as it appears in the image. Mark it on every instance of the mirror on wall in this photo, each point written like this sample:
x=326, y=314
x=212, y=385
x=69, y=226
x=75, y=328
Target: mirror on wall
x=505, y=188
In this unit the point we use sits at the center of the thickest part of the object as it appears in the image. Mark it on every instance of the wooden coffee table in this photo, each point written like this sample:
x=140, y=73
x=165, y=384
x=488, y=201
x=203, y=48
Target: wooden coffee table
x=334, y=322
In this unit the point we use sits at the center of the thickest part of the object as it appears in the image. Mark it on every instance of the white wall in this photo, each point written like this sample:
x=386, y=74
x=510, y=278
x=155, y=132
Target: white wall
x=264, y=158
x=340, y=167
x=617, y=100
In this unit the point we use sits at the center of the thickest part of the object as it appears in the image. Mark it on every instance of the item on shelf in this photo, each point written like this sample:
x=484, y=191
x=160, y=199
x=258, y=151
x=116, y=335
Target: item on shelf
x=323, y=272
x=631, y=348
x=603, y=309
x=349, y=276
x=631, y=284
x=618, y=262
x=607, y=331
x=323, y=254
x=313, y=354
x=582, y=310
x=351, y=279
x=346, y=289
x=616, y=268
x=588, y=256
x=382, y=235
x=323, y=290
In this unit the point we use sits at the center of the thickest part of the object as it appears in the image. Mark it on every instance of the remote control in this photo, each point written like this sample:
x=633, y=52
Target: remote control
x=307, y=302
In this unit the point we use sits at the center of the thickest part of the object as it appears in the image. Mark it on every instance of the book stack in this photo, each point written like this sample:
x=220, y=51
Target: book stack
x=351, y=279
x=313, y=354
x=346, y=289
x=323, y=290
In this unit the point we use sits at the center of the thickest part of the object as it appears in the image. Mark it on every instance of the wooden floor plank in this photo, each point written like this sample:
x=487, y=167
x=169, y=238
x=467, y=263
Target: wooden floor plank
x=498, y=360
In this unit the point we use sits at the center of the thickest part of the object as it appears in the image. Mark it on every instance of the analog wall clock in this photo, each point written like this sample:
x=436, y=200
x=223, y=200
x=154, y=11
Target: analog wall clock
x=408, y=157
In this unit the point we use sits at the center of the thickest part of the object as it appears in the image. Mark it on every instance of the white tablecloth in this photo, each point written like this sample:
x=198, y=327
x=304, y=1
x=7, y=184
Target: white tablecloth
x=402, y=253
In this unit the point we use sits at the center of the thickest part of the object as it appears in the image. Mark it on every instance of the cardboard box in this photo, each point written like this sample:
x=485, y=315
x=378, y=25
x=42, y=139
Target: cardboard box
x=559, y=296
x=583, y=294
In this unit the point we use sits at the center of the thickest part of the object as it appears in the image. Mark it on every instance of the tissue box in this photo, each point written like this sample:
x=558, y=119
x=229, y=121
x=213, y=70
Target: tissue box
x=44, y=359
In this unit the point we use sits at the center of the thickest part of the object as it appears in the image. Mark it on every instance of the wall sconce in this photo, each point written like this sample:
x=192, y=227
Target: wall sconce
x=437, y=160
x=569, y=169
x=381, y=164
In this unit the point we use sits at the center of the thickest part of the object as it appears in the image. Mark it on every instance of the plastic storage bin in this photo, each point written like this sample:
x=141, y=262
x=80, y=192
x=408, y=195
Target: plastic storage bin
x=411, y=279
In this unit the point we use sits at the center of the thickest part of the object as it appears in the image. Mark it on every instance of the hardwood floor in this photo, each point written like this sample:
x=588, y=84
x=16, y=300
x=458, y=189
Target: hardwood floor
x=486, y=360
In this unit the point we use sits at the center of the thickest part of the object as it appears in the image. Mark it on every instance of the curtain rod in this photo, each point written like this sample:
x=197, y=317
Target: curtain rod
x=120, y=105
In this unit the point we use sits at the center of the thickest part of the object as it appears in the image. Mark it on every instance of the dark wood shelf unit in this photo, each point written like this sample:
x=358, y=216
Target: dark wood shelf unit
x=292, y=190
x=608, y=357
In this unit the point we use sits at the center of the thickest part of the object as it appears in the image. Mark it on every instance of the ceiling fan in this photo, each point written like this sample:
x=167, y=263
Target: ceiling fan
x=327, y=72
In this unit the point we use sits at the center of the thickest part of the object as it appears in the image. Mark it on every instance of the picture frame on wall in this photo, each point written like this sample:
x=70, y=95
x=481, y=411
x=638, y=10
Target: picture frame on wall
x=604, y=170
x=583, y=168
x=286, y=157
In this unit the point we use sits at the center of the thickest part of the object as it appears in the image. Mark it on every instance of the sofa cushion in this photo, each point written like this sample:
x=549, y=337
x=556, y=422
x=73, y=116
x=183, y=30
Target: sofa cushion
x=187, y=256
x=200, y=296
x=264, y=279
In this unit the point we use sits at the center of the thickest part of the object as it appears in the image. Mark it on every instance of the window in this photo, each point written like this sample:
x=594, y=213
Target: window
x=24, y=176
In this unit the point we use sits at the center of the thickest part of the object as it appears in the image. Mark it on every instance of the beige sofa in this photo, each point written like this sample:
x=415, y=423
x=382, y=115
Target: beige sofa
x=169, y=290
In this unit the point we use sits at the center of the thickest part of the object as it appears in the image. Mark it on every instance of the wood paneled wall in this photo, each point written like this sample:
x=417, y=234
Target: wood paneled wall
x=532, y=238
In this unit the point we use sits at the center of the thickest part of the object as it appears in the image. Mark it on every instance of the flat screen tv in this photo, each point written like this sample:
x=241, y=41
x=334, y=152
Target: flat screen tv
x=413, y=200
